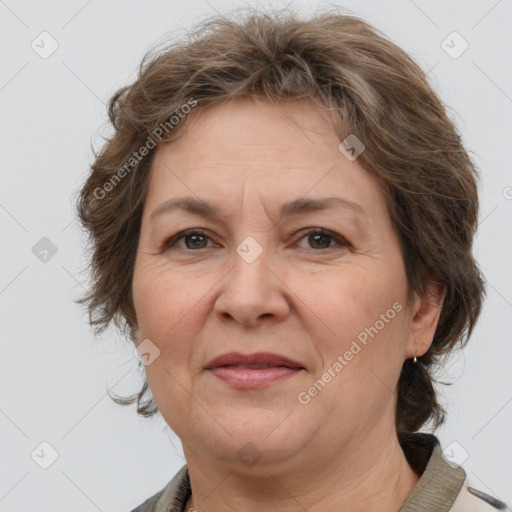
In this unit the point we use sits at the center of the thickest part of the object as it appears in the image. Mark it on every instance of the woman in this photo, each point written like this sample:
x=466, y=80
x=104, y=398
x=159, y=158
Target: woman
x=282, y=222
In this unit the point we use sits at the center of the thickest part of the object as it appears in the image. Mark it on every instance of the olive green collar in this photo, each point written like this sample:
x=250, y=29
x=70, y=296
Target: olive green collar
x=440, y=481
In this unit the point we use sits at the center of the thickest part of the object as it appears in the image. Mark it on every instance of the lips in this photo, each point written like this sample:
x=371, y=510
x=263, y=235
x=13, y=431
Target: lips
x=253, y=371
x=259, y=360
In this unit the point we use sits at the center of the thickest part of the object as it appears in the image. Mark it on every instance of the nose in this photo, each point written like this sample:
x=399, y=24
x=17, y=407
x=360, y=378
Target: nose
x=252, y=293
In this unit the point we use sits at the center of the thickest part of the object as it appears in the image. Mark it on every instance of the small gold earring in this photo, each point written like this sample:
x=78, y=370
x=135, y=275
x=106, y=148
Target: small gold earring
x=415, y=360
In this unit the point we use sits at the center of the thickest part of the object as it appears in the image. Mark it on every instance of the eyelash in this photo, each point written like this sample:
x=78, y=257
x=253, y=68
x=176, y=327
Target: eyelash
x=171, y=242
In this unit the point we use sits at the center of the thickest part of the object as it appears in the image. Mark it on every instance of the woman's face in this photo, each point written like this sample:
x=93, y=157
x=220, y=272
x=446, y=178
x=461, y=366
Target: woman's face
x=323, y=286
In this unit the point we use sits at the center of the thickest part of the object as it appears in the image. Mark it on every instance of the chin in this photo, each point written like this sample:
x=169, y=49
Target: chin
x=253, y=439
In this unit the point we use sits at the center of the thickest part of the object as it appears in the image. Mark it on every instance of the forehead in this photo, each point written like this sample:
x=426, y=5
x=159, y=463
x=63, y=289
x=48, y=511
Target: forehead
x=247, y=148
x=246, y=129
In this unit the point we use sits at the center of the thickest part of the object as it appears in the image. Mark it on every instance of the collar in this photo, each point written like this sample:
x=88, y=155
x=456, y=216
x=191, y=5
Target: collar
x=440, y=482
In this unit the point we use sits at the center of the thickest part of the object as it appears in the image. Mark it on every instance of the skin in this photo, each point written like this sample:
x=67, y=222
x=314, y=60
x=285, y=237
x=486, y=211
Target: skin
x=304, y=297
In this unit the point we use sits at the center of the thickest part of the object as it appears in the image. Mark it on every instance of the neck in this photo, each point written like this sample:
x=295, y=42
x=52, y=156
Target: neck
x=374, y=476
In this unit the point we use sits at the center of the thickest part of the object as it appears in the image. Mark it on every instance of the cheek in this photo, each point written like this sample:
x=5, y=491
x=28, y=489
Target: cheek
x=362, y=320
x=171, y=309
x=347, y=303
x=165, y=302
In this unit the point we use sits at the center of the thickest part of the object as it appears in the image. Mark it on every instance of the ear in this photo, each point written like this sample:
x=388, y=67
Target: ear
x=426, y=311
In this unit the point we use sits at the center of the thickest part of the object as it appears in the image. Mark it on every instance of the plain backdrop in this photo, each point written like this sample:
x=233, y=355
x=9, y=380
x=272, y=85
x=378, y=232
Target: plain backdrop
x=54, y=373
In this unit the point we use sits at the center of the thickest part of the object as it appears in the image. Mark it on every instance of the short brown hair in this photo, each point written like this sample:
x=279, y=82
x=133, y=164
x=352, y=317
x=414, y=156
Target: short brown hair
x=374, y=89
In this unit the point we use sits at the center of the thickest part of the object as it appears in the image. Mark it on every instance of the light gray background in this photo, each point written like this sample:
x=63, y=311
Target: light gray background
x=54, y=374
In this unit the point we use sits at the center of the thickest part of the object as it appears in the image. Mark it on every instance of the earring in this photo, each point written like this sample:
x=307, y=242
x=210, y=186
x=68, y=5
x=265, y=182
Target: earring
x=415, y=360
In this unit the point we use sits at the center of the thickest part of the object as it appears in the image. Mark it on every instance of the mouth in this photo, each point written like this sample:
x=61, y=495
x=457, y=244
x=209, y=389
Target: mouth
x=246, y=377
x=246, y=371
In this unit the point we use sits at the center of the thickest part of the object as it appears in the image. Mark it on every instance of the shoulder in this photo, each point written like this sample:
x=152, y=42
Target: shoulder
x=443, y=486
x=171, y=498
x=150, y=504
x=471, y=499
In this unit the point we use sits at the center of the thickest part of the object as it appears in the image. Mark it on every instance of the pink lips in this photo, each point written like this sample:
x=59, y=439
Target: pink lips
x=245, y=371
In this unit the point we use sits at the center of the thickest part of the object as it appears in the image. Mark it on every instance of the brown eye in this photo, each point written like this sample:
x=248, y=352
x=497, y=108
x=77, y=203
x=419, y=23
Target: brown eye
x=194, y=239
x=322, y=239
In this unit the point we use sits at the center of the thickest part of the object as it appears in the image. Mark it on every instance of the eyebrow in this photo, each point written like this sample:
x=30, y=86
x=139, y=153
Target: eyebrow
x=295, y=207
